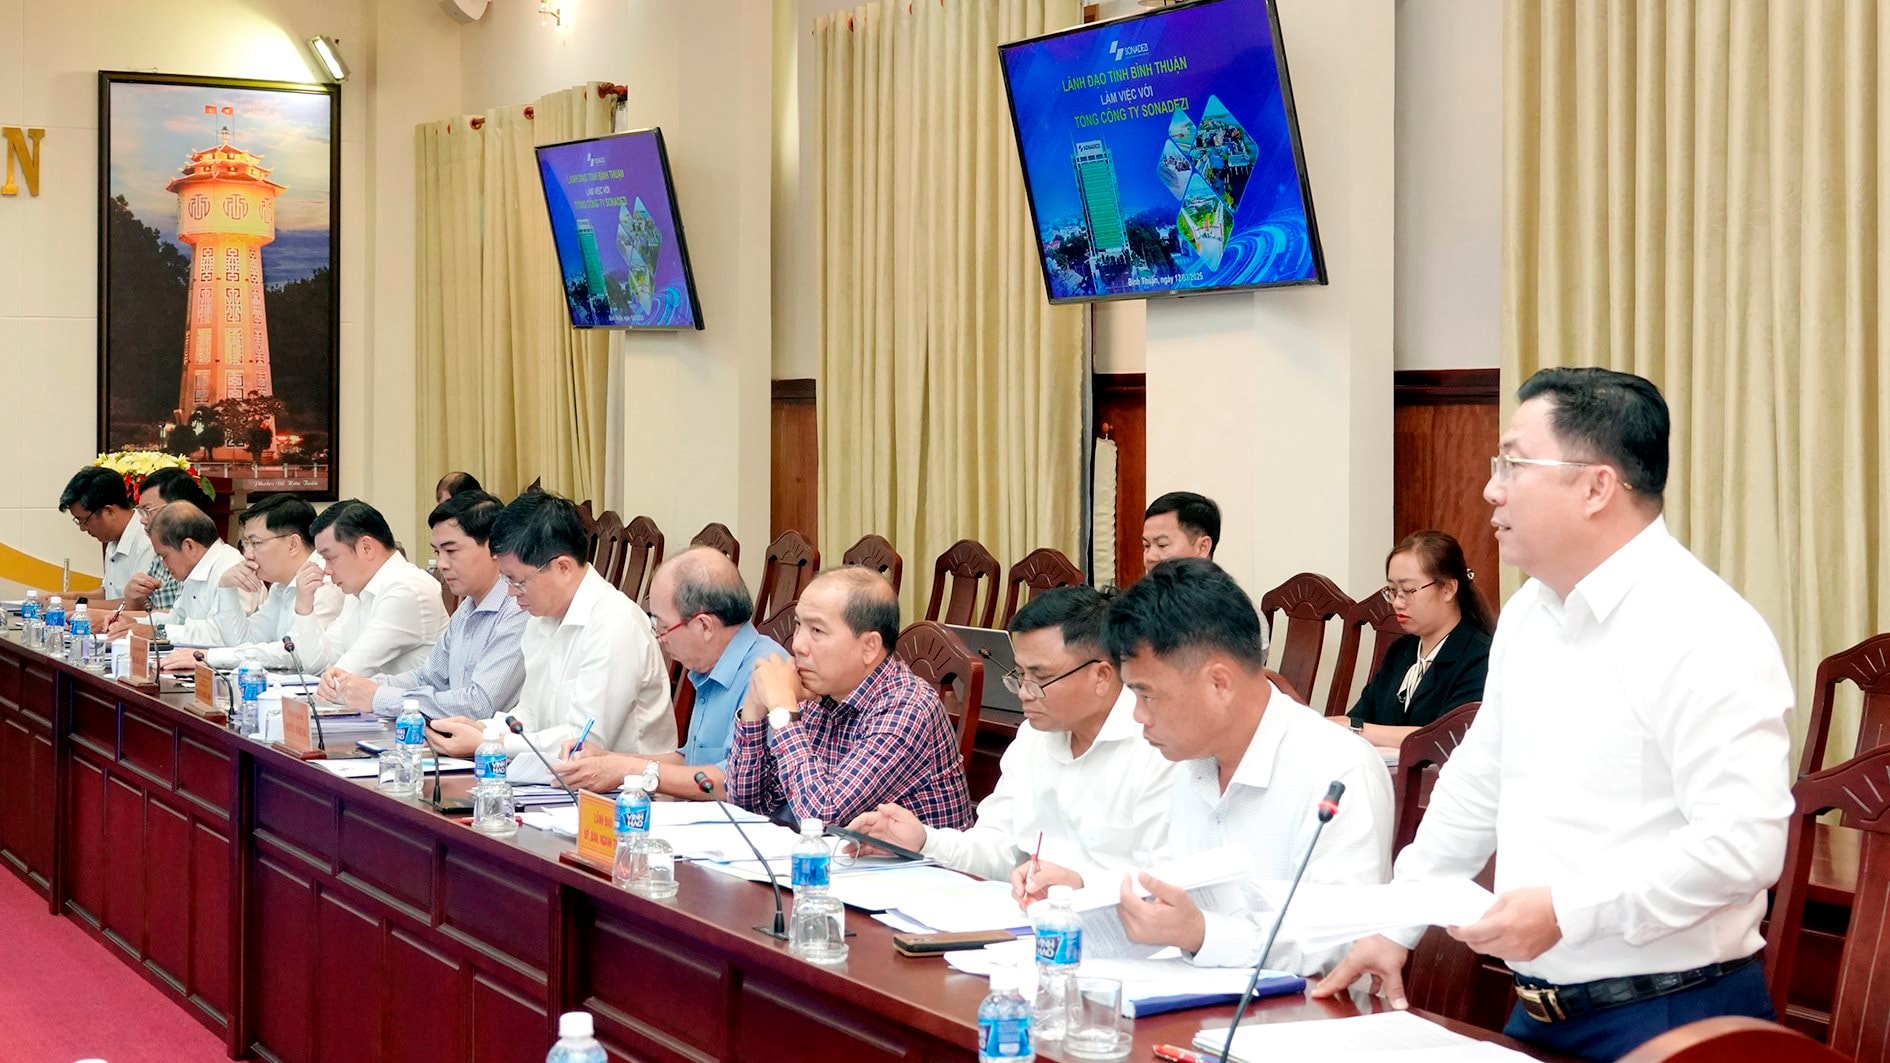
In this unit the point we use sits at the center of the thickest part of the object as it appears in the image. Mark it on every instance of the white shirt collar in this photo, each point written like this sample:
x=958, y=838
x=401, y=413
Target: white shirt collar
x=126, y=544
x=384, y=575
x=1256, y=765
x=584, y=600
x=1602, y=590
x=201, y=570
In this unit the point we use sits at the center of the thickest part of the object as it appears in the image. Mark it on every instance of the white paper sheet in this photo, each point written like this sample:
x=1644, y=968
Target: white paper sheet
x=1387, y=1037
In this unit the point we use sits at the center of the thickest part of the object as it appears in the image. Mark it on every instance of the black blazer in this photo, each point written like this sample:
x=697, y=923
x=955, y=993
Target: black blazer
x=1455, y=676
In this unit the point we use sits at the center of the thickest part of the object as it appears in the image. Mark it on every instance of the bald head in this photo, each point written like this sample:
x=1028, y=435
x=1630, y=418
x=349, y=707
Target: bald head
x=181, y=521
x=868, y=603
x=703, y=581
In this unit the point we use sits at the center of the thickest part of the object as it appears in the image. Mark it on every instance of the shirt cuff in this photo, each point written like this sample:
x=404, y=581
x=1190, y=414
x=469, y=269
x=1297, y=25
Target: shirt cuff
x=1227, y=941
x=220, y=659
x=387, y=700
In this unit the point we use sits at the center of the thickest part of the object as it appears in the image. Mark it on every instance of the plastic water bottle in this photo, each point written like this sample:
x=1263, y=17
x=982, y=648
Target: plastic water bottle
x=30, y=622
x=1004, y=1020
x=400, y=766
x=817, y=930
x=493, y=812
x=81, y=651
x=55, y=630
x=1059, y=950
x=645, y=866
x=575, y=1041
x=251, y=681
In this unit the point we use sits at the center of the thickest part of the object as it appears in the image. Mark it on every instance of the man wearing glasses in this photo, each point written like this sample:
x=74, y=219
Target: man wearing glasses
x=392, y=614
x=98, y=503
x=277, y=545
x=1078, y=775
x=590, y=652
x=701, y=610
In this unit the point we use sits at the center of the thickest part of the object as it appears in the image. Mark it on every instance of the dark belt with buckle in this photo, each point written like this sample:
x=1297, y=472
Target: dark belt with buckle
x=1559, y=1003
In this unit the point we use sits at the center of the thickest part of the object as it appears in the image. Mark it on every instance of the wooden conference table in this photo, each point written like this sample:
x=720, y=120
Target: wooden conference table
x=302, y=916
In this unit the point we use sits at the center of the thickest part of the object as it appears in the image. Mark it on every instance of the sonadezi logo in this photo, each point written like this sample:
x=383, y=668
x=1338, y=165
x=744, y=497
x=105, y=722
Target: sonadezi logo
x=1119, y=52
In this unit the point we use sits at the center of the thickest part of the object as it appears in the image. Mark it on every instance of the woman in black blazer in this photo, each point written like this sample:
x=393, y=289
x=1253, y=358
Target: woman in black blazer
x=1442, y=663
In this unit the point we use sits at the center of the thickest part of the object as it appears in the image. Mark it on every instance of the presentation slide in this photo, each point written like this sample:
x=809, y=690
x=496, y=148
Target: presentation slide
x=1159, y=156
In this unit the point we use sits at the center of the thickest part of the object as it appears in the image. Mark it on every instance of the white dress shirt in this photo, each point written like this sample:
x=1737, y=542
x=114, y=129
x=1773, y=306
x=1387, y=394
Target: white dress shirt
x=189, y=621
x=599, y=660
x=130, y=556
x=261, y=632
x=389, y=627
x=1100, y=814
x=1631, y=755
x=1270, y=810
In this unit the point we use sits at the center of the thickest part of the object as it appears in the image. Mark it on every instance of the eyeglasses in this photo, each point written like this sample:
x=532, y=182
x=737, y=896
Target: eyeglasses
x=1503, y=466
x=1393, y=592
x=85, y=521
x=673, y=628
x=516, y=585
x=253, y=543
x=1024, y=687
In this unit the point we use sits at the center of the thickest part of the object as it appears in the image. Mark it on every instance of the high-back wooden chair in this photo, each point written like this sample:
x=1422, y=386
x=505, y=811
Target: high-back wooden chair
x=608, y=552
x=970, y=568
x=643, y=552
x=1866, y=664
x=874, y=552
x=1043, y=569
x=1858, y=789
x=1374, y=612
x=1732, y=1039
x=1308, y=601
x=941, y=658
x=588, y=519
x=789, y=568
x=718, y=536
x=781, y=625
x=683, y=704
x=1423, y=750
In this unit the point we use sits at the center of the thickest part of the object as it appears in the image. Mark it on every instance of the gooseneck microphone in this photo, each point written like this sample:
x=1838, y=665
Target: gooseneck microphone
x=517, y=728
x=321, y=741
x=779, y=930
x=1328, y=807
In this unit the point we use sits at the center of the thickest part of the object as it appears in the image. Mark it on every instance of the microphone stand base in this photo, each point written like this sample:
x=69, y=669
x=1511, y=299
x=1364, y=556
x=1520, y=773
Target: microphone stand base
x=768, y=930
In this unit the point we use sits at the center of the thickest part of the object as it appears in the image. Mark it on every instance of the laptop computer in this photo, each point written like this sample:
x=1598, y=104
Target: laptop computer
x=995, y=645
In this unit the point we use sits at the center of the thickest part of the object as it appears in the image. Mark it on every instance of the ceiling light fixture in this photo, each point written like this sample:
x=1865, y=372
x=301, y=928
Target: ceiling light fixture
x=327, y=52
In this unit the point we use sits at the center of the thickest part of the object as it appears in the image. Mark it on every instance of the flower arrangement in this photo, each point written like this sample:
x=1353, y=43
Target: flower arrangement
x=135, y=465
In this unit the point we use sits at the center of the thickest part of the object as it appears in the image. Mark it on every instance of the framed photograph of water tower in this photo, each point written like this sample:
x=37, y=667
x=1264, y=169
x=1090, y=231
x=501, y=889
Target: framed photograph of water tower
x=218, y=303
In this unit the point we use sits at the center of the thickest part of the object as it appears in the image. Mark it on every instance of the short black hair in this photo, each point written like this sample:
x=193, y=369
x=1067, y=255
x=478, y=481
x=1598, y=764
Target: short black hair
x=352, y=518
x=1196, y=514
x=539, y=527
x=283, y=514
x=454, y=483
x=872, y=605
x=1610, y=417
x=176, y=485
x=1078, y=611
x=474, y=511
x=1182, y=605
x=178, y=521
x=95, y=487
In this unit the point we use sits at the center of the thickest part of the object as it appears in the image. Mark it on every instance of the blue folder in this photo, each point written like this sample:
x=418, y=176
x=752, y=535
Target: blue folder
x=1274, y=986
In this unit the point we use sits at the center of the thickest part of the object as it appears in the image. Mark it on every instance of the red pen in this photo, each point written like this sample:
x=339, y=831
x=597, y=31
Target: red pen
x=468, y=820
x=1182, y=1055
x=1032, y=877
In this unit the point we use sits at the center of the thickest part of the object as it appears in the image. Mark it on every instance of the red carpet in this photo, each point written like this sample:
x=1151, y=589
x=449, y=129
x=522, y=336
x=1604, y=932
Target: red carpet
x=63, y=997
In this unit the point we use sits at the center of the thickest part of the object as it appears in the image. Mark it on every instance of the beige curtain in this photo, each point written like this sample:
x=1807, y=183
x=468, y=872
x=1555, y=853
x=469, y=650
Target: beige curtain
x=950, y=394
x=508, y=390
x=1696, y=191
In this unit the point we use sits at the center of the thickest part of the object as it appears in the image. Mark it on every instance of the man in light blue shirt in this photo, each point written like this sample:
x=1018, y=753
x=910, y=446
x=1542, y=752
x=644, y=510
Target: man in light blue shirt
x=700, y=609
x=478, y=667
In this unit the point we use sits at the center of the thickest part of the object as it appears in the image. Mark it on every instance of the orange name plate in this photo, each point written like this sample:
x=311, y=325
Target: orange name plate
x=140, y=665
x=206, y=703
x=296, y=742
x=596, y=834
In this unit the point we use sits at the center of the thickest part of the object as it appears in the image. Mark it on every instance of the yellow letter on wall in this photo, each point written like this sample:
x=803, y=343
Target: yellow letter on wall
x=28, y=159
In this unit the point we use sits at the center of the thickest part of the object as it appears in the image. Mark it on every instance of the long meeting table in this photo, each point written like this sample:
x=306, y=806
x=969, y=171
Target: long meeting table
x=302, y=916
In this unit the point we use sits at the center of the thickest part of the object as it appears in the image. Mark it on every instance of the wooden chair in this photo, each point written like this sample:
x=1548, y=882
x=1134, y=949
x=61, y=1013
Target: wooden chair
x=1868, y=665
x=1858, y=789
x=1732, y=1039
x=589, y=520
x=939, y=657
x=1371, y=611
x=781, y=626
x=1426, y=748
x=643, y=552
x=683, y=703
x=789, y=568
x=718, y=536
x=970, y=567
x=1043, y=569
x=874, y=552
x=1286, y=686
x=608, y=549
x=1308, y=602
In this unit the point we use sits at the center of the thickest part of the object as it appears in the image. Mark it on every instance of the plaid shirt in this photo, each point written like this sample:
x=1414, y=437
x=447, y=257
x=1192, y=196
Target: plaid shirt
x=891, y=740
x=166, y=594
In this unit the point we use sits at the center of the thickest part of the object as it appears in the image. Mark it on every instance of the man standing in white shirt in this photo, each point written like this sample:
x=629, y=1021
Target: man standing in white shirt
x=1253, y=767
x=393, y=613
x=1078, y=775
x=590, y=652
x=277, y=545
x=1630, y=761
x=186, y=540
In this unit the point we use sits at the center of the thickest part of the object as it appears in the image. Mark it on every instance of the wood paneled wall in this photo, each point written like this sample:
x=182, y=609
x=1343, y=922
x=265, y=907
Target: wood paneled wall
x=794, y=477
x=1446, y=426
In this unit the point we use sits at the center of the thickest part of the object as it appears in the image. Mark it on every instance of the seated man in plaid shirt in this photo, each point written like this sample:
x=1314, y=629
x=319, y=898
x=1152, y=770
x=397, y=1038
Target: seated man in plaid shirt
x=845, y=726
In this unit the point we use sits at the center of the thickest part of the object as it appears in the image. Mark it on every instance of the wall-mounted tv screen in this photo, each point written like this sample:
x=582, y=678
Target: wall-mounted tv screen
x=621, y=256
x=1161, y=154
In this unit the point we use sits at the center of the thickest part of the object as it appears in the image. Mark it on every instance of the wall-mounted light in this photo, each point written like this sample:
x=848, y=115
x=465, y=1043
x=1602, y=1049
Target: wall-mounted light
x=553, y=10
x=327, y=52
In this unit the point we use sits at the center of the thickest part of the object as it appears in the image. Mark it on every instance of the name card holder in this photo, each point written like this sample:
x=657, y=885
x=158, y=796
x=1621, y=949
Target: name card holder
x=296, y=722
x=205, y=704
x=596, y=850
x=141, y=677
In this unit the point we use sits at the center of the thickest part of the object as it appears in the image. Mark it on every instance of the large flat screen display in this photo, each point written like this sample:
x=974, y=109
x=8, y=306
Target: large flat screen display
x=621, y=255
x=1161, y=154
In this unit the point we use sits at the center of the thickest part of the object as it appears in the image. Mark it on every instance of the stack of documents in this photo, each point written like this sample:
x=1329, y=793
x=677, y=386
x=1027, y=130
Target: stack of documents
x=541, y=796
x=1387, y=1037
x=1207, y=876
x=1324, y=917
x=1151, y=986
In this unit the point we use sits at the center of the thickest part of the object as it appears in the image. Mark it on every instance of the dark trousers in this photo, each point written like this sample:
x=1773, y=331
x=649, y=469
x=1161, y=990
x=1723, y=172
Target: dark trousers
x=1611, y=1033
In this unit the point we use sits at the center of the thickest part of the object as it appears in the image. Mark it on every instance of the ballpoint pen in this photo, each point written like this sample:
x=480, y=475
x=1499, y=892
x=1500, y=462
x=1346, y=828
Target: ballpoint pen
x=1175, y=1054
x=1031, y=879
x=582, y=735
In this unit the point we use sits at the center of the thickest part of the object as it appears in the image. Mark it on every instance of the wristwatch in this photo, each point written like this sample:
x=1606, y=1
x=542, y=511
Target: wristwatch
x=779, y=717
x=1358, y=728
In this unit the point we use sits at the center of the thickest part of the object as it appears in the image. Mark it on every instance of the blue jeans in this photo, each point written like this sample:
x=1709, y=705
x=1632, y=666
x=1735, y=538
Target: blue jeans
x=1611, y=1033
